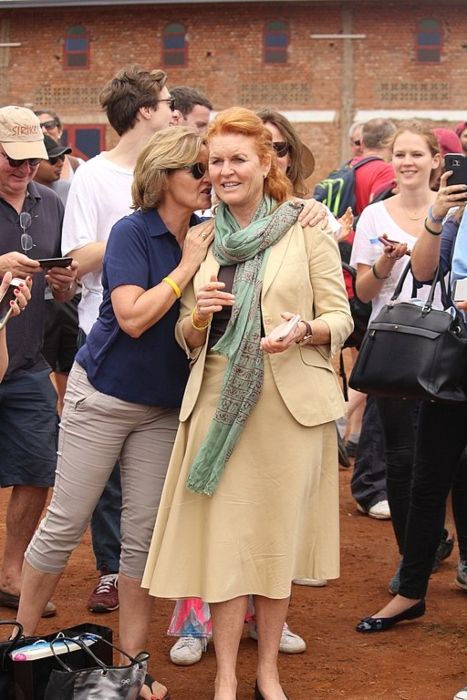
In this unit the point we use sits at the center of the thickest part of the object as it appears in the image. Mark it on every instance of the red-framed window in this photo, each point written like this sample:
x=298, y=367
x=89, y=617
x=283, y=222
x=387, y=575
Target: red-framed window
x=276, y=42
x=174, y=45
x=429, y=41
x=76, y=48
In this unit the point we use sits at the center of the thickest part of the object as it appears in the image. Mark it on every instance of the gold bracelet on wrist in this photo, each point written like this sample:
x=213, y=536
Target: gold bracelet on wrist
x=195, y=324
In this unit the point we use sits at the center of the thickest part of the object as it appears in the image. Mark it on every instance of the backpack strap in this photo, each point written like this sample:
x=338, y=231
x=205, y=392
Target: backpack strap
x=364, y=161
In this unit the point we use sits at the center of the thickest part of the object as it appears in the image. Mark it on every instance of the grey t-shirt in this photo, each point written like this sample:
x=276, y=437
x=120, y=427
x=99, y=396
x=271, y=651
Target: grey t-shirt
x=25, y=332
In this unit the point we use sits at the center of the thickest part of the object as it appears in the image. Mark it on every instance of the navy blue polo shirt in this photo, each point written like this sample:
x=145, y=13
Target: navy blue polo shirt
x=25, y=334
x=151, y=369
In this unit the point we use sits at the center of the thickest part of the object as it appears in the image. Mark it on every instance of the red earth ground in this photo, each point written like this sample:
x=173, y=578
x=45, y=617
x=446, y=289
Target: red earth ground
x=424, y=659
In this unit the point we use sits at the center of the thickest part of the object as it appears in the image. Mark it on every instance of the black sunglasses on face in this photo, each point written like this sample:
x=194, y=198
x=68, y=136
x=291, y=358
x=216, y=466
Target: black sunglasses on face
x=49, y=125
x=197, y=170
x=281, y=148
x=14, y=163
x=357, y=142
x=54, y=161
x=171, y=103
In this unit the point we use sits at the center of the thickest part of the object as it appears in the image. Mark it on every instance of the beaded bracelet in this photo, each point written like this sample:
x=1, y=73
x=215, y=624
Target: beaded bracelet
x=430, y=230
x=378, y=277
x=433, y=218
x=176, y=289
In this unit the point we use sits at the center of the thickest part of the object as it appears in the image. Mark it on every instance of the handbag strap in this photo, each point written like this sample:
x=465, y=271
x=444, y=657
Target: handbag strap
x=13, y=641
x=80, y=641
x=437, y=279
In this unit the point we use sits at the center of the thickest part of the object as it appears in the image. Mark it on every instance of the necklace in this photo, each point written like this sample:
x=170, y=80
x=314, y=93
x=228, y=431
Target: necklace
x=415, y=215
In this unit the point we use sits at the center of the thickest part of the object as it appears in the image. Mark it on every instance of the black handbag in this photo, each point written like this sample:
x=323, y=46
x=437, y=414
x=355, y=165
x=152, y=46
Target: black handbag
x=99, y=680
x=413, y=351
x=15, y=632
x=29, y=678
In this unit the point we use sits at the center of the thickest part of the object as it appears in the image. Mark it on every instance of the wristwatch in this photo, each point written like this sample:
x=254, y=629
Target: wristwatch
x=308, y=333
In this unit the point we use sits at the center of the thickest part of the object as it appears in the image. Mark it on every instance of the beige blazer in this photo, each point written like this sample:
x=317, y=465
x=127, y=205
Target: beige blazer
x=303, y=275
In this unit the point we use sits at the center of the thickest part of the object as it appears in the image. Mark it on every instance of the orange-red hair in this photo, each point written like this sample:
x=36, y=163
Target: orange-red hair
x=238, y=120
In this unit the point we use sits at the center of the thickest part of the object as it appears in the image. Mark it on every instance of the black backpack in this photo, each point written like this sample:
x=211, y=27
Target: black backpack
x=359, y=309
x=337, y=190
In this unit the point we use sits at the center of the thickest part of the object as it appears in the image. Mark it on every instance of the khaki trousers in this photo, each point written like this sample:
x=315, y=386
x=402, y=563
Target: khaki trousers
x=97, y=430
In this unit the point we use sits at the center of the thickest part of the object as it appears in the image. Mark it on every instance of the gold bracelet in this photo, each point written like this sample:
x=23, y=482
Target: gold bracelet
x=193, y=322
x=176, y=289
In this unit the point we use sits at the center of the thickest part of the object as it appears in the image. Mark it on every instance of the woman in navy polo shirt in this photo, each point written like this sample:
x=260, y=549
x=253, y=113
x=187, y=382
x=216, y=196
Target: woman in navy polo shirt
x=126, y=386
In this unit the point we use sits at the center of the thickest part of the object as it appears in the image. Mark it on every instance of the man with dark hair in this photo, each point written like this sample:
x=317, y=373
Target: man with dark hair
x=132, y=89
x=192, y=108
x=30, y=221
x=137, y=104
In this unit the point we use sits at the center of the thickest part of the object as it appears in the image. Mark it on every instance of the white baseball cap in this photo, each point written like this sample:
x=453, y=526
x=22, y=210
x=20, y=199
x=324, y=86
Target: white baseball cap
x=21, y=134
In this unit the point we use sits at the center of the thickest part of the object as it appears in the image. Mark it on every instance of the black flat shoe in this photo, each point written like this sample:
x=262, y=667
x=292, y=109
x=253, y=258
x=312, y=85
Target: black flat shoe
x=381, y=624
x=258, y=694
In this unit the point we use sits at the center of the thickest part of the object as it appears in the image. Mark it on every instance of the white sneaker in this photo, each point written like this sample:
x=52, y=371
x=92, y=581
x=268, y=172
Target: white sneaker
x=188, y=650
x=291, y=643
x=379, y=511
x=316, y=582
x=461, y=694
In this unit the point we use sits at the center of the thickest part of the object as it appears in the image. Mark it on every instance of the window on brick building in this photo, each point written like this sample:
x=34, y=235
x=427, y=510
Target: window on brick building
x=276, y=42
x=429, y=41
x=175, y=52
x=76, y=48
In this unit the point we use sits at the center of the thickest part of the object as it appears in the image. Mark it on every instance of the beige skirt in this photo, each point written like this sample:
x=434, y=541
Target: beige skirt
x=273, y=517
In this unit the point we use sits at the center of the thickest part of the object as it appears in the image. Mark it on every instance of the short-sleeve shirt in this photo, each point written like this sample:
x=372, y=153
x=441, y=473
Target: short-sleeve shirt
x=371, y=178
x=100, y=195
x=151, y=369
x=367, y=248
x=26, y=332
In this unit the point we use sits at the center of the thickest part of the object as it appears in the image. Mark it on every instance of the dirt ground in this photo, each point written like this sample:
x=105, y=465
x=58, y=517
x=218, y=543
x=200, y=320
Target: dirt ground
x=424, y=659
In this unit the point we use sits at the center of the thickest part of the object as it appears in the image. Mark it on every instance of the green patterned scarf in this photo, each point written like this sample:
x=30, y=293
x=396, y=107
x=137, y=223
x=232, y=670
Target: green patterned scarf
x=248, y=248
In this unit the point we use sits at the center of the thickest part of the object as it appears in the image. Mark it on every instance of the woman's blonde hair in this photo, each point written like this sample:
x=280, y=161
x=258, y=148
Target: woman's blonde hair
x=169, y=149
x=238, y=120
x=415, y=127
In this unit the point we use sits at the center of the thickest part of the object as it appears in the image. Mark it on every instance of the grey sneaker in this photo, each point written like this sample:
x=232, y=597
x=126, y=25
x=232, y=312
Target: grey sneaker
x=461, y=577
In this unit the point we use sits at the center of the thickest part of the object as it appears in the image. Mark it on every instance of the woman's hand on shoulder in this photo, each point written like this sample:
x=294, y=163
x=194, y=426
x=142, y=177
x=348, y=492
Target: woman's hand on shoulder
x=196, y=244
x=313, y=213
x=270, y=345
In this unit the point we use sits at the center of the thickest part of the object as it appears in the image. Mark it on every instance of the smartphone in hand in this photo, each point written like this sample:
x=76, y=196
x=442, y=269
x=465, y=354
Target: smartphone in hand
x=5, y=306
x=47, y=263
x=456, y=162
x=281, y=331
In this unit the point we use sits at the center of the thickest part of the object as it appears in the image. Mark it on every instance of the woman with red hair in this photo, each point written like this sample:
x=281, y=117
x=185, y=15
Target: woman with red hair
x=251, y=496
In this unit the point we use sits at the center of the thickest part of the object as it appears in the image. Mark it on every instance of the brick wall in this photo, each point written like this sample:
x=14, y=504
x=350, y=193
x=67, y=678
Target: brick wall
x=226, y=60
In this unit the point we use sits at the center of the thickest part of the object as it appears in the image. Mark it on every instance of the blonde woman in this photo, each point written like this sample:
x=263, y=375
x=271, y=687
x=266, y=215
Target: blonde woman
x=126, y=386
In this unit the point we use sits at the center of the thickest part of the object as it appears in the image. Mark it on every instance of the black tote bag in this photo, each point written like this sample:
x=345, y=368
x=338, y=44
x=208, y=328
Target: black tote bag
x=15, y=631
x=97, y=680
x=30, y=678
x=414, y=351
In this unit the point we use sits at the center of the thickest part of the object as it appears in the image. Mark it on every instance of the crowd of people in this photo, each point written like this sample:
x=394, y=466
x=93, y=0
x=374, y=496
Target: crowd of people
x=186, y=290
